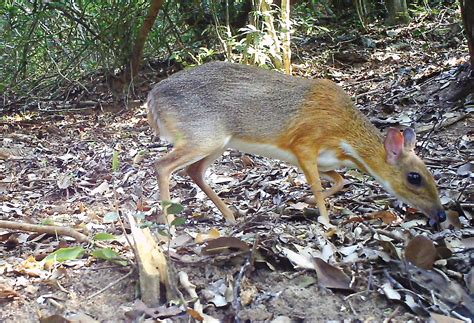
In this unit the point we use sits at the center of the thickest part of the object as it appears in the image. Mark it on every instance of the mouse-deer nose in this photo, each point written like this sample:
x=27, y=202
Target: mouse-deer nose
x=441, y=216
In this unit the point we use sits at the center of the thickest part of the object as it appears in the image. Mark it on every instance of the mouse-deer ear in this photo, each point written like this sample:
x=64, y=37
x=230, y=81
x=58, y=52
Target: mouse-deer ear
x=394, y=145
x=410, y=139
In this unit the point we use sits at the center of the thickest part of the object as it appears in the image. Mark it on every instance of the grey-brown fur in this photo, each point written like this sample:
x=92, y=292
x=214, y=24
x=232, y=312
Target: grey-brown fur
x=226, y=95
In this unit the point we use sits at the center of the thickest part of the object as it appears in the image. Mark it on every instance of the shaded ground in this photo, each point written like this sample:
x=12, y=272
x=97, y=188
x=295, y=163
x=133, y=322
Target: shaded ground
x=57, y=169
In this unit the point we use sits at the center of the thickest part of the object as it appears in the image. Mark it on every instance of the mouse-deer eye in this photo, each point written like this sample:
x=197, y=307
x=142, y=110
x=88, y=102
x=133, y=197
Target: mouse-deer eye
x=414, y=178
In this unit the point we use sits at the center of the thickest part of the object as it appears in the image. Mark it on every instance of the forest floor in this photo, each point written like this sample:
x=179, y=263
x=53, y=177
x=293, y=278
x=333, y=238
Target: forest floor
x=278, y=263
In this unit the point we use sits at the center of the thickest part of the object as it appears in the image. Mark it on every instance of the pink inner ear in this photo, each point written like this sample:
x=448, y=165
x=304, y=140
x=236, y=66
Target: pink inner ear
x=393, y=145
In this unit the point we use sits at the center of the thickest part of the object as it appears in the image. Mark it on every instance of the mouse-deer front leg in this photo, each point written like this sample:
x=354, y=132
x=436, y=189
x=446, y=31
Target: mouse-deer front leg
x=310, y=169
x=338, y=184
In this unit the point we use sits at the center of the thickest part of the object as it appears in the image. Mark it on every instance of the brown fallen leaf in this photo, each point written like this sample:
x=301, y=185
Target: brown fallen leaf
x=452, y=220
x=195, y=314
x=443, y=253
x=438, y=318
x=74, y=318
x=211, y=235
x=389, y=248
x=225, y=245
x=330, y=276
x=247, y=161
x=421, y=252
x=7, y=292
x=387, y=217
x=157, y=312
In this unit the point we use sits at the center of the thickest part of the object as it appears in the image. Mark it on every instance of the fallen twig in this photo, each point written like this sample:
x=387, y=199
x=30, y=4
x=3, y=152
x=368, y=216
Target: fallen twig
x=443, y=124
x=112, y=284
x=49, y=229
x=249, y=263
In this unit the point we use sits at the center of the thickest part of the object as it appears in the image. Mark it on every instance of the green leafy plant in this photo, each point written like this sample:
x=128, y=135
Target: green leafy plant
x=109, y=255
x=103, y=236
x=64, y=254
x=115, y=161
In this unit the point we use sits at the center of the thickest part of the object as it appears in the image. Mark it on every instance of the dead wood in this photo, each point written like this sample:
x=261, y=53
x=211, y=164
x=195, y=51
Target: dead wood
x=152, y=266
x=49, y=229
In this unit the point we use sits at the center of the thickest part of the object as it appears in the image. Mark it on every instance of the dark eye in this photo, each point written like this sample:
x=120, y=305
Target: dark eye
x=414, y=178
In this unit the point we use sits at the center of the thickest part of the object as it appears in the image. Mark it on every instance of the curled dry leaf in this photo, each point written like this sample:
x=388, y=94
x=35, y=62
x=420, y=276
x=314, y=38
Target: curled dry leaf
x=421, y=252
x=195, y=314
x=101, y=189
x=158, y=312
x=30, y=267
x=217, y=293
x=390, y=292
x=64, y=181
x=7, y=292
x=203, y=237
x=408, y=299
x=443, y=252
x=298, y=259
x=441, y=286
x=469, y=280
x=387, y=217
x=330, y=276
x=247, y=161
x=452, y=220
x=465, y=169
x=225, y=245
x=390, y=249
x=184, y=281
x=438, y=318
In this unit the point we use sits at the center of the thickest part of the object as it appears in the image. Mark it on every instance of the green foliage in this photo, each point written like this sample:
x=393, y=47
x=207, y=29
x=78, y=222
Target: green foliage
x=46, y=42
x=172, y=207
x=64, y=254
x=115, y=161
x=103, y=236
x=58, y=49
x=55, y=49
x=178, y=222
x=109, y=255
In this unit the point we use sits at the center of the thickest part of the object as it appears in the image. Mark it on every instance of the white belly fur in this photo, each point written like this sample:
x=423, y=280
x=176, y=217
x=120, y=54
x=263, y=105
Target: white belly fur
x=327, y=159
x=266, y=150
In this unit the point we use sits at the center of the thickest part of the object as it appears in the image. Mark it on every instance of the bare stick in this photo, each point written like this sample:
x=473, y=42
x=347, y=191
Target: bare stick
x=49, y=229
x=111, y=284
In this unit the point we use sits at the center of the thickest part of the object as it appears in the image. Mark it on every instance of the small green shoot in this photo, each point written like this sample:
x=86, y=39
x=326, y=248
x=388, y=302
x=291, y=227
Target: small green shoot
x=103, y=236
x=109, y=255
x=178, y=221
x=115, y=161
x=172, y=207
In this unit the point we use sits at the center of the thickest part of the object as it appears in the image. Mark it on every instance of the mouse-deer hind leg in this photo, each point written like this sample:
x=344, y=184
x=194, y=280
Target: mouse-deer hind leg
x=178, y=158
x=196, y=171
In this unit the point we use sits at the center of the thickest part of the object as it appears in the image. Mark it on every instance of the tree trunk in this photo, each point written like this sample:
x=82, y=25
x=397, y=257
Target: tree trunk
x=397, y=12
x=463, y=85
x=285, y=29
x=467, y=13
x=133, y=67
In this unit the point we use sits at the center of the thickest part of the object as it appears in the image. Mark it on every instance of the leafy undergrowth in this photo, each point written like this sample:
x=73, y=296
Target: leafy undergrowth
x=382, y=262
